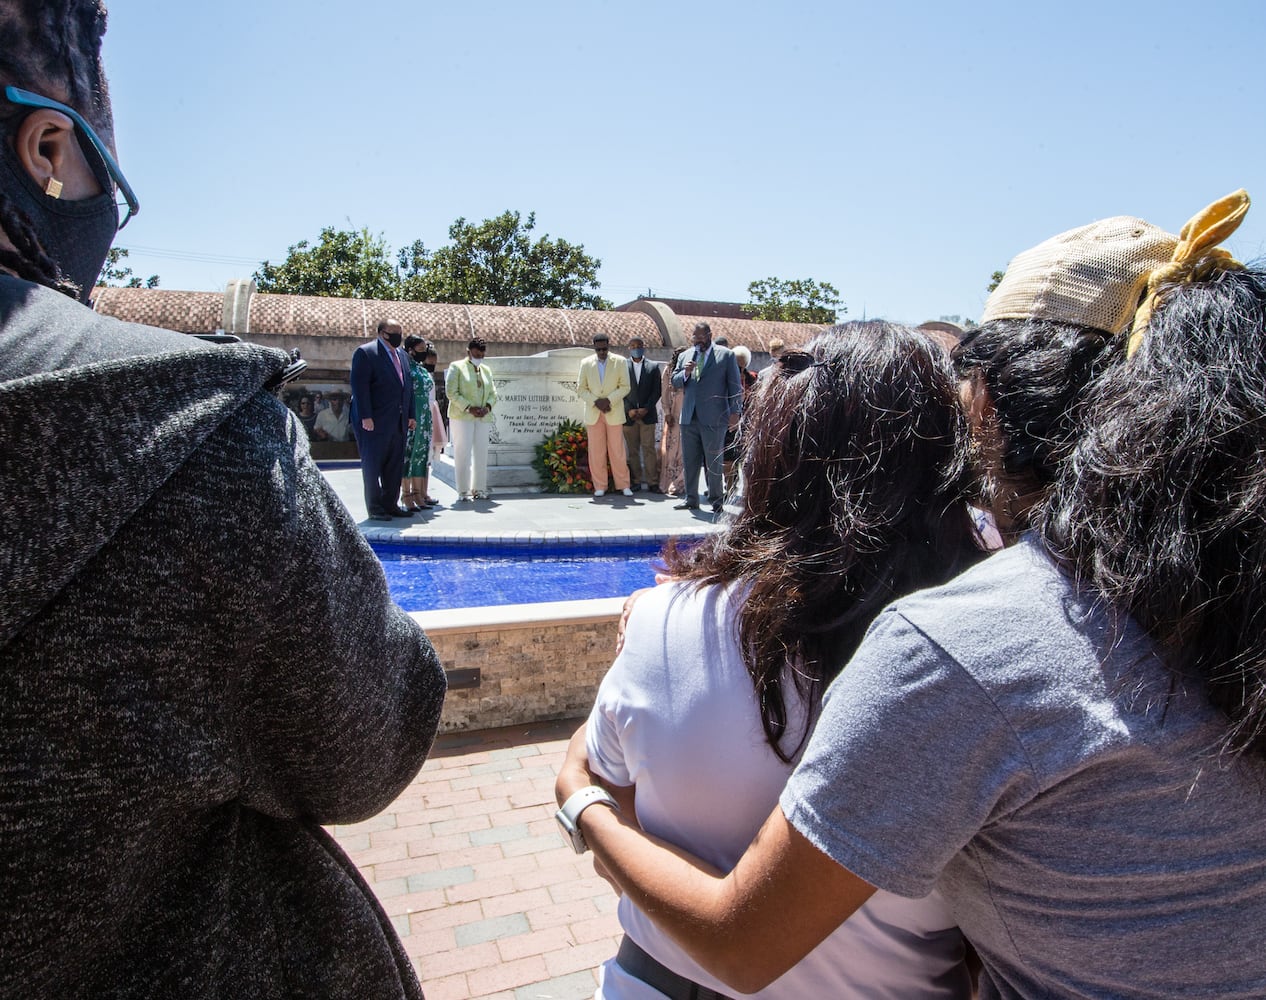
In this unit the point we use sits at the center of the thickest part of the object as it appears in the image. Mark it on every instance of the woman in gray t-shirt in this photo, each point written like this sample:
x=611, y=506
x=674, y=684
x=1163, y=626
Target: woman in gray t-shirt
x=1066, y=740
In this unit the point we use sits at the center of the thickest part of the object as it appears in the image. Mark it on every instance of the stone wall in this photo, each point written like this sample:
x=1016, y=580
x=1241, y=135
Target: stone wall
x=535, y=662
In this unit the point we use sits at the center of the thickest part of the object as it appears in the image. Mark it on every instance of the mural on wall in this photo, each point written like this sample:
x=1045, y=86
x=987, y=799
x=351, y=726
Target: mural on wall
x=323, y=410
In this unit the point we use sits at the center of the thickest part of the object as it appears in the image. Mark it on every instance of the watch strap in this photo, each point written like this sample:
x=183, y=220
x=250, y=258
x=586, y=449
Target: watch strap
x=569, y=815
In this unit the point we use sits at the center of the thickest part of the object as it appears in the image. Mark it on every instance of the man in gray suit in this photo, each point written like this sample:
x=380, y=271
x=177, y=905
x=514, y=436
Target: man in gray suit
x=712, y=403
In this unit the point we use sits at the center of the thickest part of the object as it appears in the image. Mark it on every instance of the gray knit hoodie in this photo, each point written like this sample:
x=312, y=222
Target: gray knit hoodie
x=199, y=664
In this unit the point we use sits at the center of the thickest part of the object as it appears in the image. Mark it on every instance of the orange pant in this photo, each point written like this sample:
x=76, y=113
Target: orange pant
x=606, y=443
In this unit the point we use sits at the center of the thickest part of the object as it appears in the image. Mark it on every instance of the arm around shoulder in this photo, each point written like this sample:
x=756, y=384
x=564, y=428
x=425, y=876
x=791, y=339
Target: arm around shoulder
x=747, y=927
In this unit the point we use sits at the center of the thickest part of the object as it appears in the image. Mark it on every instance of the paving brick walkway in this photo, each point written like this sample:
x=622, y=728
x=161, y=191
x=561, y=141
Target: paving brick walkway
x=469, y=864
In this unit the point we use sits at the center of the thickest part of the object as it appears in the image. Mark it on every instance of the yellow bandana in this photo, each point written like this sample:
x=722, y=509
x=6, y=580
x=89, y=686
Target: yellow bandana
x=1196, y=257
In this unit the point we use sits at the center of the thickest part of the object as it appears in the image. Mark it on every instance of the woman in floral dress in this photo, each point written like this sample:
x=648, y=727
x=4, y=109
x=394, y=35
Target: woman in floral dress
x=417, y=446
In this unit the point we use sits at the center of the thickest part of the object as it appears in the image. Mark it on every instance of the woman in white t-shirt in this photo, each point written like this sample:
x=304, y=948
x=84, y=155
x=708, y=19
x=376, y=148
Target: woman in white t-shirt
x=855, y=471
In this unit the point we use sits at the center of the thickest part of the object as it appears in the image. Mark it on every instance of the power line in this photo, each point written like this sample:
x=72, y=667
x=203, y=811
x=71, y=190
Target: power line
x=192, y=256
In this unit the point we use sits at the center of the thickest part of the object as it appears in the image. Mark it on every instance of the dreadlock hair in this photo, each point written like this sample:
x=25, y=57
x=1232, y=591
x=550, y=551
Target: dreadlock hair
x=855, y=470
x=51, y=47
x=1161, y=508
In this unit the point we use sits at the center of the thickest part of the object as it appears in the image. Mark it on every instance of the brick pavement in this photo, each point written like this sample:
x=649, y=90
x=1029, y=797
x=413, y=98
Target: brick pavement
x=469, y=864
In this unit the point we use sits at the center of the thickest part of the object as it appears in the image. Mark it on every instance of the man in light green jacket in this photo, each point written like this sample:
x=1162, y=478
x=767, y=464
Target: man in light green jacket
x=471, y=393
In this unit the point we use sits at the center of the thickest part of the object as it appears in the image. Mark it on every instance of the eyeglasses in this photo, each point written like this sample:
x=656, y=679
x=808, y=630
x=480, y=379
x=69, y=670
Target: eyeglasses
x=27, y=99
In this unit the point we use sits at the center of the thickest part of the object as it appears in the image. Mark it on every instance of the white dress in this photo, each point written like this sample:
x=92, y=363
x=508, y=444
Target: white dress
x=677, y=716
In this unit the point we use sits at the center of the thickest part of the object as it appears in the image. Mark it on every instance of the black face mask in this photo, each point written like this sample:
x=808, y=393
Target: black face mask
x=392, y=338
x=430, y=366
x=75, y=234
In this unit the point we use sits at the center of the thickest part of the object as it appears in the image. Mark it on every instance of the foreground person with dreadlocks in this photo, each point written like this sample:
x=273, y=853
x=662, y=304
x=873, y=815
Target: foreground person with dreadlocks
x=1067, y=740
x=171, y=734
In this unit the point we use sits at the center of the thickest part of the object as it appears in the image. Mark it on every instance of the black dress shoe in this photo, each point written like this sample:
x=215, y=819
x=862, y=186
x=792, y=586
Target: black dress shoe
x=687, y=505
x=717, y=508
x=378, y=515
x=398, y=512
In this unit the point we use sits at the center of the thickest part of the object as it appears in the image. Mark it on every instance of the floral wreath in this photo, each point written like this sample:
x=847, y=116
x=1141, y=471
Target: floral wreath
x=562, y=460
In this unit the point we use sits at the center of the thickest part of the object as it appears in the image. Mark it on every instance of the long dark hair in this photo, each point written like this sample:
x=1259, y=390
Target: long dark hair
x=1036, y=373
x=52, y=47
x=855, y=472
x=1161, y=508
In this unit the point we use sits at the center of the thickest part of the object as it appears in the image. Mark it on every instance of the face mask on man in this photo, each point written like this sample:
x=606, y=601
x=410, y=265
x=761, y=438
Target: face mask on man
x=75, y=234
x=392, y=338
x=636, y=353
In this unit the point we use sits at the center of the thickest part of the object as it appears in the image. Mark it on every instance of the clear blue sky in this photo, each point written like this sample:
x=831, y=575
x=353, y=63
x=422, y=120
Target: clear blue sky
x=901, y=151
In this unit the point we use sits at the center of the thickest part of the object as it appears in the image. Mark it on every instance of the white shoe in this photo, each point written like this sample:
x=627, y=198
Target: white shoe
x=599, y=493
x=628, y=492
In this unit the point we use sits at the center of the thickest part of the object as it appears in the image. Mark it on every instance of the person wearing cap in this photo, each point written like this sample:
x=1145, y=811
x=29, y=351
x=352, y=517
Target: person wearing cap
x=602, y=384
x=1068, y=741
x=642, y=416
x=471, y=392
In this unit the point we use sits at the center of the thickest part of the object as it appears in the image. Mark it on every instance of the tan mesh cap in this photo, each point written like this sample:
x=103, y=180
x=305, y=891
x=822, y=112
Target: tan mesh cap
x=1093, y=276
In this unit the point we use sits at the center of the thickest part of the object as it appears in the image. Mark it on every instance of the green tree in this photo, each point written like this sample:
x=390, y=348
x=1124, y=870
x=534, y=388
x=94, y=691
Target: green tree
x=115, y=274
x=498, y=263
x=345, y=263
x=995, y=280
x=796, y=301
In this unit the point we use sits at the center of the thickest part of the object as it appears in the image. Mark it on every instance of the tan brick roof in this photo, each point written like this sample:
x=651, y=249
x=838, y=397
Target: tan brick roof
x=314, y=316
x=184, y=312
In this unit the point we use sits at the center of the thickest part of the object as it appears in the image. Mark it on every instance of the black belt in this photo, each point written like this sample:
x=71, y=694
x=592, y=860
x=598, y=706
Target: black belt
x=633, y=960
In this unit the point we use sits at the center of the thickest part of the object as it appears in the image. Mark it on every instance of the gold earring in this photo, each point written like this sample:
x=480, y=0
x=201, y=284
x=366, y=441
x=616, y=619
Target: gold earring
x=53, y=188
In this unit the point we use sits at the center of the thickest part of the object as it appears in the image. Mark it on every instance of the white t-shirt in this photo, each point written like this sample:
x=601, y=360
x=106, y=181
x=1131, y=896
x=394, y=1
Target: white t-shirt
x=677, y=716
x=335, y=426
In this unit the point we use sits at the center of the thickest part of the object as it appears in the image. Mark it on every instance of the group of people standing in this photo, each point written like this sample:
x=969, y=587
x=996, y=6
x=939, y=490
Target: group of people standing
x=701, y=393
x=621, y=397
x=399, y=426
x=396, y=420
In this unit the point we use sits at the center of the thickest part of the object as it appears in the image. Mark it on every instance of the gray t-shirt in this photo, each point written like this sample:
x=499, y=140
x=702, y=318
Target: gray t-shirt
x=998, y=738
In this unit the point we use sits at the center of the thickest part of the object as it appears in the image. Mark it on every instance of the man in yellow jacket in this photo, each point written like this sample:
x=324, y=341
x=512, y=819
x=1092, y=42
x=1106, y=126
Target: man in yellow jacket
x=603, y=384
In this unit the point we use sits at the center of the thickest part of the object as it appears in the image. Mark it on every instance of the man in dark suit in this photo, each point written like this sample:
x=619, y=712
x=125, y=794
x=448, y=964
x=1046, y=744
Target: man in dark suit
x=382, y=411
x=711, y=403
x=641, y=415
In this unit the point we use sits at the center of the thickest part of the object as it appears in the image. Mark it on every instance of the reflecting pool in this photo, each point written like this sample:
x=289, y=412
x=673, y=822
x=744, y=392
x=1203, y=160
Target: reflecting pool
x=435, y=576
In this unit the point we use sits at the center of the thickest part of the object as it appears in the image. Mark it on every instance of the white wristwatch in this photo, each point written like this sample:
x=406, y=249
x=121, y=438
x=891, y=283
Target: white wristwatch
x=568, y=817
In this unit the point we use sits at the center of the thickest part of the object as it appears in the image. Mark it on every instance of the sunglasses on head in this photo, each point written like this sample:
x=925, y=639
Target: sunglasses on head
x=26, y=99
x=794, y=362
